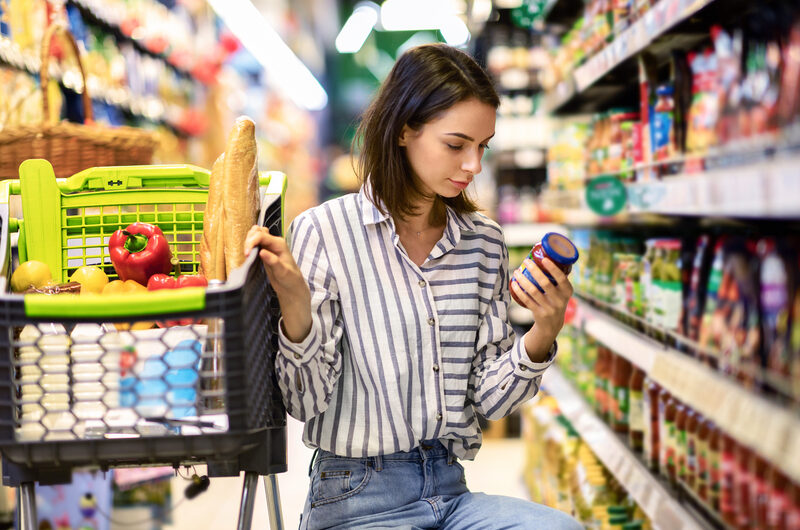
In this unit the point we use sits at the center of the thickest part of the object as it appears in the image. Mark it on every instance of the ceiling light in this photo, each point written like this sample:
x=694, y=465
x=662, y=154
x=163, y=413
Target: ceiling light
x=357, y=28
x=454, y=31
x=284, y=69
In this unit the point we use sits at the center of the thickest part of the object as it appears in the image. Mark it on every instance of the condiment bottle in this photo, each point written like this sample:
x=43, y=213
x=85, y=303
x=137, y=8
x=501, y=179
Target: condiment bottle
x=727, y=485
x=651, y=434
x=692, y=423
x=703, y=446
x=778, y=500
x=714, y=467
x=561, y=251
x=680, y=442
x=620, y=376
x=636, y=411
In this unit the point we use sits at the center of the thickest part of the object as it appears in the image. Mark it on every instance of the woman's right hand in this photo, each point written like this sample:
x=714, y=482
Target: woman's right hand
x=286, y=278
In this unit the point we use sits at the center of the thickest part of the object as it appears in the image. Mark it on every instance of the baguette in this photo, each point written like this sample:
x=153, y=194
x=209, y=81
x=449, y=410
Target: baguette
x=240, y=197
x=212, y=246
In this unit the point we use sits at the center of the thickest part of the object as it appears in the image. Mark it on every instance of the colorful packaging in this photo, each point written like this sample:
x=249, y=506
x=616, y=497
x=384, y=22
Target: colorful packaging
x=663, y=124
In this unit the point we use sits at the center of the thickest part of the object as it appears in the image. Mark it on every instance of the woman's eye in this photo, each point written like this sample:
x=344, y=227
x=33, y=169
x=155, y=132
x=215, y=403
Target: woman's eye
x=454, y=147
x=484, y=146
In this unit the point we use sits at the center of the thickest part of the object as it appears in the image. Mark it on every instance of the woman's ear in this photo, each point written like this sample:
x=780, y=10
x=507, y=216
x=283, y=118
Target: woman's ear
x=405, y=135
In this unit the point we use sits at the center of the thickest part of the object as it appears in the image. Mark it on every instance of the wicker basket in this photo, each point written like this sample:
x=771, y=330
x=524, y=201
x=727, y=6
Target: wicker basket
x=71, y=147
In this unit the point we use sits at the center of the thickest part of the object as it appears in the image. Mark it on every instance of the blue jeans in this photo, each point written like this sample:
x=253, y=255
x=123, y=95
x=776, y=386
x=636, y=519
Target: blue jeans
x=421, y=488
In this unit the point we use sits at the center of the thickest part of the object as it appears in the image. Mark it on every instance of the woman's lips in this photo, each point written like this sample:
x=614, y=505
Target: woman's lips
x=458, y=184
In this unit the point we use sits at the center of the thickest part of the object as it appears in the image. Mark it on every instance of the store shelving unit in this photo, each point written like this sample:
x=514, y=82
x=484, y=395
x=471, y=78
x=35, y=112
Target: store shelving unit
x=664, y=510
x=771, y=429
x=150, y=108
x=666, y=26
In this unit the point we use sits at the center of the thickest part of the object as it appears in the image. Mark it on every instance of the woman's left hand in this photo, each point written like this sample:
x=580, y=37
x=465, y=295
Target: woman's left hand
x=548, y=307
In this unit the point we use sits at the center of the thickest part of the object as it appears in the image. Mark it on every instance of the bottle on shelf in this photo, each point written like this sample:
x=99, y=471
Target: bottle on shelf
x=636, y=409
x=651, y=424
x=620, y=378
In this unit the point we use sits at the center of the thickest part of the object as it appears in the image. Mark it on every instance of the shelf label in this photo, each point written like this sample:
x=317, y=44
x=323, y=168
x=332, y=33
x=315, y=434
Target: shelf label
x=606, y=196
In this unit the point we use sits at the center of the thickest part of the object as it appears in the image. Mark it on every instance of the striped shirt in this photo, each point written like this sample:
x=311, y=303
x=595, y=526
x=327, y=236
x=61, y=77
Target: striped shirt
x=399, y=353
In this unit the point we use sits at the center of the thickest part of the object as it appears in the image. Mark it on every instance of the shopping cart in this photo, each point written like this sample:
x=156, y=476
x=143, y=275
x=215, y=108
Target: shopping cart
x=90, y=382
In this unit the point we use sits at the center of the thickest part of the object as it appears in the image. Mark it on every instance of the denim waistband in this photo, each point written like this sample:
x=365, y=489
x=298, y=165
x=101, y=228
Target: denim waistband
x=426, y=450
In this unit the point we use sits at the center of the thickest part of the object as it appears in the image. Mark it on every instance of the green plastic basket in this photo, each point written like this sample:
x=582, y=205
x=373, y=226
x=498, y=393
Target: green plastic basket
x=67, y=224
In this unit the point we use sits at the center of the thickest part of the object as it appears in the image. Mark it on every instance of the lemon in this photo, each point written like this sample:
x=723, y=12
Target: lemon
x=91, y=278
x=32, y=273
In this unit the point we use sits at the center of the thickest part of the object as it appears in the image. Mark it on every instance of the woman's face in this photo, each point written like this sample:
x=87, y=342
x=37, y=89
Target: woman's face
x=445, y=153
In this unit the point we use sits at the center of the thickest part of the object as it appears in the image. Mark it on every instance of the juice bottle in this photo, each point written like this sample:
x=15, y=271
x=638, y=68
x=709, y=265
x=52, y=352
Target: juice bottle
x=636, y=410
x=714, y=467
x=759, y=491
x=681, y=411
x=561, y=251
x=692, y=424
x=703, y=448
x=669, y=438
x=603, y=382
x=743, y=480
x=727, y=483
x=620, y=376
x=778, y=500
x=651, y=424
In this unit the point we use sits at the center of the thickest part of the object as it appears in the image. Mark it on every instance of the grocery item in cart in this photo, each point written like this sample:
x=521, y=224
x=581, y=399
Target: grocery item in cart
x=240, y=196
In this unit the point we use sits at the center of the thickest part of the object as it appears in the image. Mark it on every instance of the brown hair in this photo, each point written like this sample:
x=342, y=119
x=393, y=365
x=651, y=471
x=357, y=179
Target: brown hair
x=424, y=82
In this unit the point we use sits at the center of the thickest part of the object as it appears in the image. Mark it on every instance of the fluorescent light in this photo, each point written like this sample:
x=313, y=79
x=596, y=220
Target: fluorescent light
x=412, y=15
x=417, y=15
x=357, y=28
x=284, y=69
x=454, y=31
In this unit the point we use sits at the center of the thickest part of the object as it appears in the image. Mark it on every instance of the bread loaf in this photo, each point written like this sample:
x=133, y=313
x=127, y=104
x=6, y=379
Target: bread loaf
x=212, y=246
x=240, y=197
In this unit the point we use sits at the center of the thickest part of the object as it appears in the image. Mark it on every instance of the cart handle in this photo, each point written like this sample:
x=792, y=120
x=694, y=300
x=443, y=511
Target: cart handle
x=184, y=300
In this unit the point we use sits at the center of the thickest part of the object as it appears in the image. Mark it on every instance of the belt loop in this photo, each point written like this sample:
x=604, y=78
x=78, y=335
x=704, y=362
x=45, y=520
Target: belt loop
x=311, y=464
x=378, y=462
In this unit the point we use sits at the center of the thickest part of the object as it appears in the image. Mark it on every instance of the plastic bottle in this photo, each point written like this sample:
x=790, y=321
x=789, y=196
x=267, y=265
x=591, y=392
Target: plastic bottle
x=681, y=445
x=714, y=467
x=727, y=484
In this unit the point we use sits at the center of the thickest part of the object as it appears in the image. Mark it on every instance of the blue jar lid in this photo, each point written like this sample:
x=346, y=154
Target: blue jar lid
x=559, y=248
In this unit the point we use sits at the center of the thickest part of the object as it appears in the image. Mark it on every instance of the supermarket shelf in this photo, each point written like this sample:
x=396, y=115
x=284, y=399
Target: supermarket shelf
x=763, y=189
x=770, y=429
x=663, y=509
x=151, y=108
x=638, y=37
x=92, y=10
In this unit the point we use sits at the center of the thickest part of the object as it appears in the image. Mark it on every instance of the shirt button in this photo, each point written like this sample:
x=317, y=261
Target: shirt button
x=435, y=367
x=523, y=368
x=439, y=416
x=297, y=356
x=431, y=321
x=422, y=283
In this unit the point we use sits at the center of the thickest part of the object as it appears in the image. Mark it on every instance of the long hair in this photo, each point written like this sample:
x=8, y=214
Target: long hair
x=424, y=82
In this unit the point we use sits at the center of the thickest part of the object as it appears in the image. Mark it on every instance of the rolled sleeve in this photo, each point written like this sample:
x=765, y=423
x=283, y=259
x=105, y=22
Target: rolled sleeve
x=524, y=368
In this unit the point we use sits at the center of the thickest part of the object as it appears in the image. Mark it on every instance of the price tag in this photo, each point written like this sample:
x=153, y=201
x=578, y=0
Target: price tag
x=606, y=196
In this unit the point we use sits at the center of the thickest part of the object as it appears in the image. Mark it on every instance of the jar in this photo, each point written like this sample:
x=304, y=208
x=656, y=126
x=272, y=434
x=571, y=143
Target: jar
x=558, y=248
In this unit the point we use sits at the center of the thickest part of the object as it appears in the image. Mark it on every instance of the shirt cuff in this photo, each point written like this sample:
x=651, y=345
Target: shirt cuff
x=524, y=367
x=297, y=352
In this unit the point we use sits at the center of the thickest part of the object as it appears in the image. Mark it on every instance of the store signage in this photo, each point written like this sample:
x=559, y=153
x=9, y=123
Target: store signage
x=606, y=196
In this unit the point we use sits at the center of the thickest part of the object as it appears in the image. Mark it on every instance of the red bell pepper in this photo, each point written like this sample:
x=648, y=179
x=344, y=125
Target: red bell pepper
x=165, y=281
x=140, y=251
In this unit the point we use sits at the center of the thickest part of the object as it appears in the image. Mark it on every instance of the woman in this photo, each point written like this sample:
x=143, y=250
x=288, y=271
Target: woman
x=394, y=330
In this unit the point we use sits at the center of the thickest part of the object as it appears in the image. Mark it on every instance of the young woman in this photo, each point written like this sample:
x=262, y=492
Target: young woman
x=394, y=332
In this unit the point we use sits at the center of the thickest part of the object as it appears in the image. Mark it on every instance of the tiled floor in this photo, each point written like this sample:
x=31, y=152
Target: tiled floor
x=496, y=470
